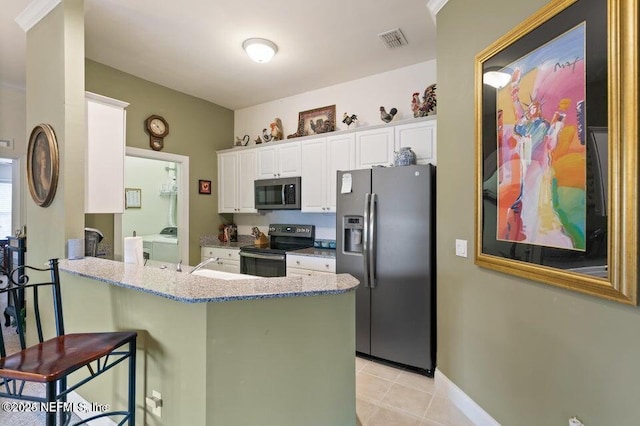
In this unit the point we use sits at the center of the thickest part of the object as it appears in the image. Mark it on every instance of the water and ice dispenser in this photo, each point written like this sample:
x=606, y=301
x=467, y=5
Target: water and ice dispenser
x=353, y=228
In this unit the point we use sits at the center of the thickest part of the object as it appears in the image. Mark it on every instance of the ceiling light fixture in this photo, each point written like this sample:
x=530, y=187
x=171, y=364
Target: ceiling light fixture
x=259, y=49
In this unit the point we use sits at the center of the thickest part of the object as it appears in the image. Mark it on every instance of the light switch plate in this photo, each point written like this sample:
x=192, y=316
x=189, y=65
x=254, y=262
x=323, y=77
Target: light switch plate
x=461, y=248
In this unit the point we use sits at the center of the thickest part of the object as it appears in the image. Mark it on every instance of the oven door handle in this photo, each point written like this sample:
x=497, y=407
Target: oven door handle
x=264, y=256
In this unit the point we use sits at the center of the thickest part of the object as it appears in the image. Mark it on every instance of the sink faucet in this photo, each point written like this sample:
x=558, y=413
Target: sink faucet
x=179, y=266
x=203, y=263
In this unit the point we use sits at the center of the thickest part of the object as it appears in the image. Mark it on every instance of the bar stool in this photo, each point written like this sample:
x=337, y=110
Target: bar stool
x=51, y=361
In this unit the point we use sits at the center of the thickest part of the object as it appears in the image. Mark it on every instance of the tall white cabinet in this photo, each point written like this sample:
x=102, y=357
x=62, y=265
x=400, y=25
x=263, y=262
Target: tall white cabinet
x=320, y=160
x=236, y=173
x=104, y=165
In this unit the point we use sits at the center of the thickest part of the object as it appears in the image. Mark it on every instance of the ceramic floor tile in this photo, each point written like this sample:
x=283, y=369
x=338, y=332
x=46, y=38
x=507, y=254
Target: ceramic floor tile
x=360, y=363
x=387, y=417
x=381, y=370
x=364, y=409
x=371, y=387
x=431, y=423
x=407, y=399
x=443, y=411
x=417, y=381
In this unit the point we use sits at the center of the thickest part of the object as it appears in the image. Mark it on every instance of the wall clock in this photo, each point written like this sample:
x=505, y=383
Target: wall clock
x=157, y=128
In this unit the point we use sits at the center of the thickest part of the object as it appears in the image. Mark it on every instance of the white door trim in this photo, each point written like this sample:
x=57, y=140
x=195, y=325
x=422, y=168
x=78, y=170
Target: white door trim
x=183, y=200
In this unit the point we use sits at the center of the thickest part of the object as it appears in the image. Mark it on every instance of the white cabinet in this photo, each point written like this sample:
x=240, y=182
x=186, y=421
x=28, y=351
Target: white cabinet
x=282, y=160
x=104, y=165
x=421, y=137
x=374, y=147
x=228, y=259
x=309, y=265
x=236, y=173
x=320, y=160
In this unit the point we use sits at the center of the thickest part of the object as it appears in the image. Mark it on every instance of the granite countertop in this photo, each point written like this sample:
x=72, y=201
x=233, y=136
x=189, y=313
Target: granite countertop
x=315, y=252
x=185, y=287
x=213, y=241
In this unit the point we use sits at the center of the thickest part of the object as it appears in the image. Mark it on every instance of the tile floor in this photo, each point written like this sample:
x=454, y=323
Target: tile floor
x=390, y=396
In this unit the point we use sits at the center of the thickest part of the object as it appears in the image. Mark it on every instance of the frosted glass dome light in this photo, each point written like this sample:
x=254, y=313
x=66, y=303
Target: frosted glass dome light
x=259, y=49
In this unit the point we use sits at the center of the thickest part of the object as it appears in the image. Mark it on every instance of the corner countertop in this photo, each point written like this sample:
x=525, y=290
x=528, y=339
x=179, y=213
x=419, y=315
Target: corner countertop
x=185, y=287
x=315, y=252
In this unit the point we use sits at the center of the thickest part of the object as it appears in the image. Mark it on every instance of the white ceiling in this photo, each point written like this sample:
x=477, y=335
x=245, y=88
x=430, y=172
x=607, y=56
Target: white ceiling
x=195, y=46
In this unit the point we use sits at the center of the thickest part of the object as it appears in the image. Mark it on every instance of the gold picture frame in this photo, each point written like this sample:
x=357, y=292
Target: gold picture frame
x=318, y=120
x=605, y=263
x=42, y=164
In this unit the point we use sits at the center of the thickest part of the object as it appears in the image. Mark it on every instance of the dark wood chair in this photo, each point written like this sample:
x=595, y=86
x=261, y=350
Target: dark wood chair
x=51, y=361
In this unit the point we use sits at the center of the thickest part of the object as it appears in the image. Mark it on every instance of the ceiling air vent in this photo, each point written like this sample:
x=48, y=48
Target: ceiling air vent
x=393, y=38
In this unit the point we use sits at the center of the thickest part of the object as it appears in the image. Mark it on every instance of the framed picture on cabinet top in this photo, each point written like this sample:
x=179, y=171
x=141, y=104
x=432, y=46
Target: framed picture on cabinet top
x=318, y=120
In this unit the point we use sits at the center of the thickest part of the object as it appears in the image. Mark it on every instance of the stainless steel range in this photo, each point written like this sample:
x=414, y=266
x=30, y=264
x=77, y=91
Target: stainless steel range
x=271, y=261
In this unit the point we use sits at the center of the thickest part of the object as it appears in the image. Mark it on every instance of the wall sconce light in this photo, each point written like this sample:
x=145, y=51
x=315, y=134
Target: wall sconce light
x=259, y=49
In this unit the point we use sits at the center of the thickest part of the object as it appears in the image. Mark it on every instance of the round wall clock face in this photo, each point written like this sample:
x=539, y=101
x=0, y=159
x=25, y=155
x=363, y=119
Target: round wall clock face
x=157, y=126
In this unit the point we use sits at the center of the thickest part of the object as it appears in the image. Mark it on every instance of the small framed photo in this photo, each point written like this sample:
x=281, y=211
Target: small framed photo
x=204, y=187
x=132, y=198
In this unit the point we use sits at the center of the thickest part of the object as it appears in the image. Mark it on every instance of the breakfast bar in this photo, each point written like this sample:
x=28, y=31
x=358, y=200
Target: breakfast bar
x=232, y=351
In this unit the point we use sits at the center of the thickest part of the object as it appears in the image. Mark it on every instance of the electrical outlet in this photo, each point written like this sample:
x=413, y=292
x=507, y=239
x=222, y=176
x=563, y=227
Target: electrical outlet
x=461, y=248
x=154, y=402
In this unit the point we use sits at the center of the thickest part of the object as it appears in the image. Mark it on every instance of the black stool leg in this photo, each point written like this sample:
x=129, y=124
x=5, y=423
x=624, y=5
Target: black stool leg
x=51, y=397
x=132, y=382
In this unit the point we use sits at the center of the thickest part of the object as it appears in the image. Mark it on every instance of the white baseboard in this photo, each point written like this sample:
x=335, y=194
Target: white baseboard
x=461, y=400
x=77, y=401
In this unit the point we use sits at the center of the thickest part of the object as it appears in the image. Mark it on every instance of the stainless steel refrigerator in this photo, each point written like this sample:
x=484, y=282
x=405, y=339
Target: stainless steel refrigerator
x=385, y=237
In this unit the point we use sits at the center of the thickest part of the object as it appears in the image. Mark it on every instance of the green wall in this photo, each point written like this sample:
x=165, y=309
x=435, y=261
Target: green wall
x=197, y=129
x=528, y=353
x=55, y=95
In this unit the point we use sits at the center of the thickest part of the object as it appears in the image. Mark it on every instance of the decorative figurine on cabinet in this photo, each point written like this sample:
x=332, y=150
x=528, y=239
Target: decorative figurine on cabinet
x=348, y=119
x=387, y=116
x=428, y=105
x=266, y=136
x=276, y=130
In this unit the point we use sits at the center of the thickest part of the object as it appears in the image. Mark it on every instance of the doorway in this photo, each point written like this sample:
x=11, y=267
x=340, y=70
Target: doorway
x=163, y=179
x=10, y=199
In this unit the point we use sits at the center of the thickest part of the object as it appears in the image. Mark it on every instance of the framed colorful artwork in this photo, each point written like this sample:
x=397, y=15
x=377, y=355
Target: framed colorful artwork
x=556, y=138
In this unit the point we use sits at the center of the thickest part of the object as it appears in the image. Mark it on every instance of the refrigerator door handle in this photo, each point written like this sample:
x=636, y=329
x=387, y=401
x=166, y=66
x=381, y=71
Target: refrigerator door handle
x=365, y=239
x=372, y=240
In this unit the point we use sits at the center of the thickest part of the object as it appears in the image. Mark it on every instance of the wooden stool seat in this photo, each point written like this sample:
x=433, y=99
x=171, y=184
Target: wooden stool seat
x=59, y=356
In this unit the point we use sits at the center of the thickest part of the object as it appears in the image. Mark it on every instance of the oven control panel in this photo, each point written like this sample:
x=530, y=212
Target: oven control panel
x=301, y=231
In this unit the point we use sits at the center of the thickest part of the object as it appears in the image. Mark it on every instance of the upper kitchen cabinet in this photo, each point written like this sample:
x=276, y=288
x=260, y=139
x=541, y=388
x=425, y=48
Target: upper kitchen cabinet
x=421, y=137
x=236, y=173
x=320, y=160
x=374, y=147
x=279, y=160
x=104, y=165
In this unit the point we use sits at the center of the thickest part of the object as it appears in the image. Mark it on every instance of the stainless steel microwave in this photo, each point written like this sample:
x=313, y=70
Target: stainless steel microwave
x=278, y=194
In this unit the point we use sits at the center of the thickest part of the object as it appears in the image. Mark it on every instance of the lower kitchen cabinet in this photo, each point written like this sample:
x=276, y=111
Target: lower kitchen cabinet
x=309, y=265
x=228, y=259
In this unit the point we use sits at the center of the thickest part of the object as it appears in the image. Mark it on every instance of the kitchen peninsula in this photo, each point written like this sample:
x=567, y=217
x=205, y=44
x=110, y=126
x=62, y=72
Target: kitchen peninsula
x=276, y=351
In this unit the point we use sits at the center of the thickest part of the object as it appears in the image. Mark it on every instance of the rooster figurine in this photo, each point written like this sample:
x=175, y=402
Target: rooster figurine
x=387, y=116
x=276, y=130
x=348, y=119
x=415, y=104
